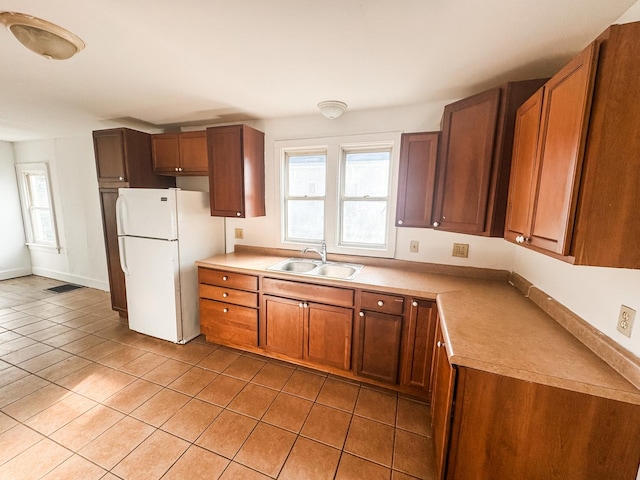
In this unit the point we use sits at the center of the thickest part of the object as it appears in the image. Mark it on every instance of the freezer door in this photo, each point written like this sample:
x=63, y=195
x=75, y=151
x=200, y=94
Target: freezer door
x=147, y=212
x=153, y=286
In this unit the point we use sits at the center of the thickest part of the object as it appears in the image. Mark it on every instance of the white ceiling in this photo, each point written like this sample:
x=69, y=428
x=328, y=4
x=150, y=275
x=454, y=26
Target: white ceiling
x=163, y=63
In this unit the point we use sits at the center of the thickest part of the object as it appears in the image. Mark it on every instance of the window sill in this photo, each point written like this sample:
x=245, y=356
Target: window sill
x=43, y=248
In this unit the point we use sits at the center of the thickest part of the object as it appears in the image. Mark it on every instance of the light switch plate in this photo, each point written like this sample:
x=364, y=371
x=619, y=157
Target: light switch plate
x=239, y=233
x=460, y=250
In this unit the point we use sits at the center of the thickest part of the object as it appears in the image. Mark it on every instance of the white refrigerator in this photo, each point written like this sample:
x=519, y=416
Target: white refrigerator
x=161, y=233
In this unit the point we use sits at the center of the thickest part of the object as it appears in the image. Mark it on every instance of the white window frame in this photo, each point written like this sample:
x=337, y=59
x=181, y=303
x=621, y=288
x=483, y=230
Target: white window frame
x=335, y=148
x=23, y=170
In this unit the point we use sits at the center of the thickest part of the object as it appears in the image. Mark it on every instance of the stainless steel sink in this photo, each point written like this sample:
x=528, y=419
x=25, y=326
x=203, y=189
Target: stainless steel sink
x=315, y=268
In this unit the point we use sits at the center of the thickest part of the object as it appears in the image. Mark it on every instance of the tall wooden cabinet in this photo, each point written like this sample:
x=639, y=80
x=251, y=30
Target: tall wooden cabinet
x=416, y=179
x=236, y=171
x=582, y=196
x=123, y=159
x=475, y=160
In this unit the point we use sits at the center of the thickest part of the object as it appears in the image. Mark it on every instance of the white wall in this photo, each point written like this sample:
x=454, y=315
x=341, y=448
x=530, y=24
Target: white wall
x=82, y=259
x=14, y=255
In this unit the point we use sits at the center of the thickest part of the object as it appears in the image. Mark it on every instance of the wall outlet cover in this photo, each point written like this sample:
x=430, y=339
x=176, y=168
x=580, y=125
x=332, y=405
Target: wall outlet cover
x=414, y=246
x=239, y=233
x=460, y=250
x=625, y=320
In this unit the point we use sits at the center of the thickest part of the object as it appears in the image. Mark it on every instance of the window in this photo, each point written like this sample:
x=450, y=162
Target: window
x=37, y=211
x=341, y=192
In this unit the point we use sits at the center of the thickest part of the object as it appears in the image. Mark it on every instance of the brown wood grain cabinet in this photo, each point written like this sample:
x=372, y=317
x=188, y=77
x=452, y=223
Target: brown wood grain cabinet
x=236, y=171
x=582, y=201
x=300, y=327
x=378, y=336
x=417, y=345
x=416, y=179
x=183, y=153
x=475, y=160
x=123, y=159
x=228, y=307
x=488, y=426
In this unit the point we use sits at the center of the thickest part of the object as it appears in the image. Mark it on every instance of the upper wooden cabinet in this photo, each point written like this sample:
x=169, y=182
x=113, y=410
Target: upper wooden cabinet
x=475, y=159
x=416, y=179
x=182, y=153
x=582, y=195
x=236, y=171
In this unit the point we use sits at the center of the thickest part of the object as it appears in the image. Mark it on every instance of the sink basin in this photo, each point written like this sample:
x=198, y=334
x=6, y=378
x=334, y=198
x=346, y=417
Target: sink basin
x=335, y=271
x=315, y=268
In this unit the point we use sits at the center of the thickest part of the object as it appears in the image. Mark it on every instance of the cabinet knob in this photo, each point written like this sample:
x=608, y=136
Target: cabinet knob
x=301, y=305
x=180, y=169
x=225, y=310
x=225, y=294
x=415, y=304
x=225, y=278
x=400, y=222
x=305, y=305
x=238, y=214
x=361, y=314
x=177, y=169
x=439, y=344
x=120, y=178
x=436, y=224
x=380, y=303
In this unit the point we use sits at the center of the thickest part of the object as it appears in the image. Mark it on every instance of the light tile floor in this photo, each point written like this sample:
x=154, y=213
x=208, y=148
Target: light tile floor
x=82, y=396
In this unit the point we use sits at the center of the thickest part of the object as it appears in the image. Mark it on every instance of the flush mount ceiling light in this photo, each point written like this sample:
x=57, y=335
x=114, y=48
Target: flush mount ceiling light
x=42, y=37
x=332, y=108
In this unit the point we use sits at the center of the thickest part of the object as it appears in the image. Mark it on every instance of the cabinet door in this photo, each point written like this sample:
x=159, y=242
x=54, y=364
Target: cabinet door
x=165, y=150
x=281, y=326
x=416, y=179
x=464, y=175
x=523, y=168
x=109, y=150
x=442, y=404
x=328, y=335
x=226, y=186
x=565, y=113
x=193, y=153
x=108, y=197
x=378, y=348
x=418, y=344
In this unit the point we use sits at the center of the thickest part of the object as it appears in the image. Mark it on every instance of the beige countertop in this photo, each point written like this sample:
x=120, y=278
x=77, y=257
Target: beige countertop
x=488, y=324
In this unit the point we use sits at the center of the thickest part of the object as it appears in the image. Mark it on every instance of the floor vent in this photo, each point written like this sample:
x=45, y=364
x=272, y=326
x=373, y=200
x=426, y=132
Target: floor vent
x=67, y=287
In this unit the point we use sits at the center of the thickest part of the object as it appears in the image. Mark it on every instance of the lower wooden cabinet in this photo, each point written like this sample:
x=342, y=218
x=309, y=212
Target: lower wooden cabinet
x=377, y=350
x=228, y=307
x=417, y=345
x=307, y=331
x=488, y=426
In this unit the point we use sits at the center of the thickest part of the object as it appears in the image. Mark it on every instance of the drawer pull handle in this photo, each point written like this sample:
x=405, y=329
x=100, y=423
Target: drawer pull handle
x=225, y=278
x=361, y=314
x=225, y=310
x=380, y=303
x=225, y=295
x=415, y=304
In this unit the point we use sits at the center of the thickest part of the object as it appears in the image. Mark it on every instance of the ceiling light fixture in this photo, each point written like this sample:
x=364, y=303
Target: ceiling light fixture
x=332, y=108
x=42, y=37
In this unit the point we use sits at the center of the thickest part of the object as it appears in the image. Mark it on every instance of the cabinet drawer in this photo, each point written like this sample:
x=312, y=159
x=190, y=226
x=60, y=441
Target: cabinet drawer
x=228, y=295
x=308, y=291
x=378, y=302
x=227, y=279
x=228, y=324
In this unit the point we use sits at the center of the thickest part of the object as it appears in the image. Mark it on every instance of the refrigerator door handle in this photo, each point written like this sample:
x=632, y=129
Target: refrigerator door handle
x=120, y=213
x=122, y=255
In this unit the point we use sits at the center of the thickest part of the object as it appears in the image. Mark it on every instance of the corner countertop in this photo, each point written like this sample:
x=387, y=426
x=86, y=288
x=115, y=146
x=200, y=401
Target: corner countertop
x=488, y=324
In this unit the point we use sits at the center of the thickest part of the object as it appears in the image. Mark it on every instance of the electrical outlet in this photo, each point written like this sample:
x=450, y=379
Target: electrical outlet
x=625, y=320
x=414, y=246
x=239, y=233
x=460, y=250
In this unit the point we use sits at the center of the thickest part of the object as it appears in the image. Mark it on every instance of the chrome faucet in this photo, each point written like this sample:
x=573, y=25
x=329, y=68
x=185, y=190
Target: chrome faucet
x=323, y=253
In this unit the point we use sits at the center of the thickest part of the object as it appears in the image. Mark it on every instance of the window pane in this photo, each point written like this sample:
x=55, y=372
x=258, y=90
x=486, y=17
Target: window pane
x=43, y=226
x=366, y=173
x=307, y=175
x=305, y=219
x=38, y=187
x=364, y=222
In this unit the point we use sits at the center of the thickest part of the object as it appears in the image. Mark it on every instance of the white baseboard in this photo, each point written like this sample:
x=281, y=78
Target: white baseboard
x=16, y=272
x=76, y=279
